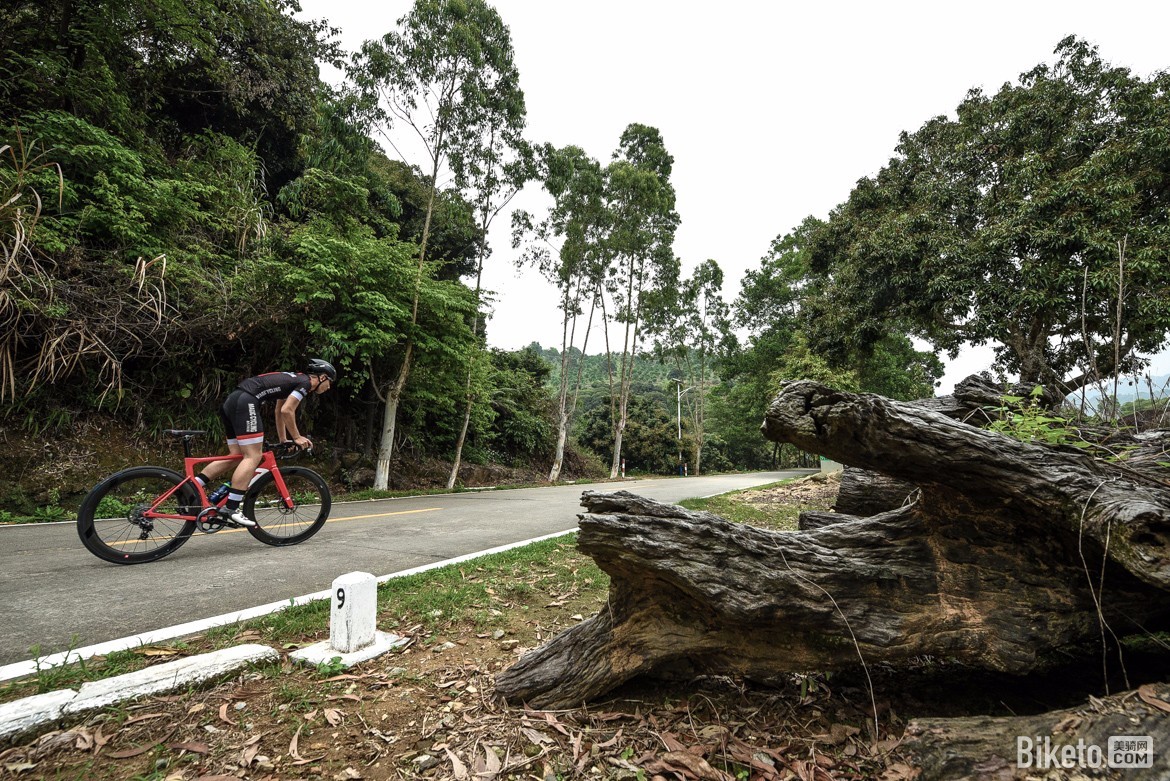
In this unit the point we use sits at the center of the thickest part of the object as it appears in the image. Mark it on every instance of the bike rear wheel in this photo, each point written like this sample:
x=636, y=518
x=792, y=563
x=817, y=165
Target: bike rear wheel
x=118, y=520
x=276, y=522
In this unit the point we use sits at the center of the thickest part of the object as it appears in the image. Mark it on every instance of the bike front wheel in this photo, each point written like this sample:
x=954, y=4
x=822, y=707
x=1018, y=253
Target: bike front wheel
x=132, y=517
x=286, y=523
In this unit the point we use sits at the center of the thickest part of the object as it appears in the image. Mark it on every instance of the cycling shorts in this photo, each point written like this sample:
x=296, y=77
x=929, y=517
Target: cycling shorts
x=241, y=419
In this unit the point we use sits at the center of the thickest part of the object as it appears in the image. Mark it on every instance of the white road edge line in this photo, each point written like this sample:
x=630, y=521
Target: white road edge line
x=30, y=667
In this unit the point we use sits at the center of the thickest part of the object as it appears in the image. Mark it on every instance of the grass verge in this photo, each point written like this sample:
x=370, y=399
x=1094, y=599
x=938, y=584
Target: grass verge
x=490, y=593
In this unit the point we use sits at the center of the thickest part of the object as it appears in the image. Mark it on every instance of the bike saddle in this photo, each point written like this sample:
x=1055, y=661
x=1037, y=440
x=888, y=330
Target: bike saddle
x=178, y=432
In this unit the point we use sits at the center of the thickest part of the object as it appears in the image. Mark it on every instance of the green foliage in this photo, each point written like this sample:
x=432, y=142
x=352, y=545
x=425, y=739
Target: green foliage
x=1013, y=223
x=221, y=213
x=155, y=73
x=650, y=442
x=331, y=668
x=351, y=290
x=522, y=427
x=647, y=371
x=779, y=305
x=454, y=237
x=693, y=331
x=1028, y=420
x=778, y=308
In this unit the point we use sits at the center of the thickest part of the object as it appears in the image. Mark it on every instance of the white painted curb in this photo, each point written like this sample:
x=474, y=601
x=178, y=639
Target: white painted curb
x=167, y=677
x=21, y=716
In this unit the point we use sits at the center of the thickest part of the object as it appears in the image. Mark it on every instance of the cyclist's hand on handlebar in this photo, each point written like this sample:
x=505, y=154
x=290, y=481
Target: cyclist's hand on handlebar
x=304, y=443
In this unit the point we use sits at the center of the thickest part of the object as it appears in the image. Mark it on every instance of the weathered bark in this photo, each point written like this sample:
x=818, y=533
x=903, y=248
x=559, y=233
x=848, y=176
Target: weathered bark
x=977, y=395
x=991, y=749
x=864, y=492
x=1051, y=494
x=999, y=562
x=815, y=519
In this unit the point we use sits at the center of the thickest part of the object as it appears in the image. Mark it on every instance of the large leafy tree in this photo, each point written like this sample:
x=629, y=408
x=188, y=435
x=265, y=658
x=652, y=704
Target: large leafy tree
x=440, y=76
x=778, y=307
x=563, y=245
x=1038, y=218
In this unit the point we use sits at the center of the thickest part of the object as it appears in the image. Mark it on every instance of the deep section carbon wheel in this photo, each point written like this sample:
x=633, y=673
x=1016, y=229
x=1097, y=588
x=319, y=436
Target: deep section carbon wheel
x=278, y=523
x=131, y=517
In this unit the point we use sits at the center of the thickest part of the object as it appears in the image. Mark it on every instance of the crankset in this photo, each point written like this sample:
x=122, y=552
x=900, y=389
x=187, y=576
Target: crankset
x=209, y=521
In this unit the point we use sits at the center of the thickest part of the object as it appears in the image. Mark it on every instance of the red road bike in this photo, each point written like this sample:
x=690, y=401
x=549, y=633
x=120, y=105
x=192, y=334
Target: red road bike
x=147, y=512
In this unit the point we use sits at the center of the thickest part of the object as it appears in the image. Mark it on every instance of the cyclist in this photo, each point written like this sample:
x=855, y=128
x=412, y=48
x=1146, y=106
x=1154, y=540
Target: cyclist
x=245, y=430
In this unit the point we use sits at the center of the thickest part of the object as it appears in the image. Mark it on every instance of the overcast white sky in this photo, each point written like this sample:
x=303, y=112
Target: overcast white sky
x=771, y=110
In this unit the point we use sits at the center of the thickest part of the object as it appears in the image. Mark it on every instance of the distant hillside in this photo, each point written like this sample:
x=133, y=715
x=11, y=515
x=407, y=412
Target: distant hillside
x=647, y=371
x=1127, y=390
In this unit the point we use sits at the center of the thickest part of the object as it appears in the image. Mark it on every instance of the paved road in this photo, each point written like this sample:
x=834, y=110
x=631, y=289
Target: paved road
x=54, y=594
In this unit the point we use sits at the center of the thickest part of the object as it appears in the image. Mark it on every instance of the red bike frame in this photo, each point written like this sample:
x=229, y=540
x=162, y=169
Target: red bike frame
x=267, y=464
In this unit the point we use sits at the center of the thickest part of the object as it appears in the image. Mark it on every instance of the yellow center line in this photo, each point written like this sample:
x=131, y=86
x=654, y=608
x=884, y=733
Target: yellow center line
x=382, y=515
x=301, y=523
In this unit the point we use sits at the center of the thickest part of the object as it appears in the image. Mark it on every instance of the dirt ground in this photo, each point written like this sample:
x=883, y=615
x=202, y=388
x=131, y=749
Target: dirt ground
x=815, y=492
x=430, y=712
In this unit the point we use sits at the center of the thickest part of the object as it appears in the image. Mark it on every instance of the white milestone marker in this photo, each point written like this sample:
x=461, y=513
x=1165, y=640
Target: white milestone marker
x=352, y=621
x=353, y=633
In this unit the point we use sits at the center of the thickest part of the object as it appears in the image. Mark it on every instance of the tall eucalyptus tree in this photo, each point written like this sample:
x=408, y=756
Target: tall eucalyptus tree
x=492, y=172
x=637, y=244
x=445, y=75
x=564, y=246
x=694, y=330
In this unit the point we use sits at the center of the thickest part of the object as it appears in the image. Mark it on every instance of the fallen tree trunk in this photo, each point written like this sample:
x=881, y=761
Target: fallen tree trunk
x=974, y=401
x=999, y=563
x=815, y=519
x=865, y=492
x=1064, y=743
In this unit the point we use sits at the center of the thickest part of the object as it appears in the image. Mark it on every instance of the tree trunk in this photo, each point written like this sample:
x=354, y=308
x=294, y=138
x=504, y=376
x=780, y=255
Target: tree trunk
x=386, y=446
x=1019, y=747
x=864, y=492
x=615, y=467
x=390, y=423
x=1012, y=554
x=814, y=519
x=462, y=438
x=562, y=435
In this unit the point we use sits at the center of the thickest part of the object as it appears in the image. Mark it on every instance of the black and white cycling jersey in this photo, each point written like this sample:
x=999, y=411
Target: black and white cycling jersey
x=277, y=385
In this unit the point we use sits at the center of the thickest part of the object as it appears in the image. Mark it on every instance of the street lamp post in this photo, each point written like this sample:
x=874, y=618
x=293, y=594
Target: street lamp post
x=678, y=416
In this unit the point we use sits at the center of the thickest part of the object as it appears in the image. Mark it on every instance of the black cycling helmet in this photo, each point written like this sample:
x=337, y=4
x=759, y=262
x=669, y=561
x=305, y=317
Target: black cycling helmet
x=318, y=366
